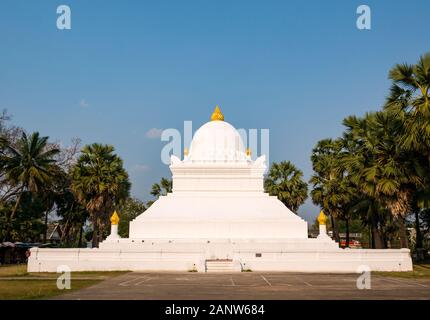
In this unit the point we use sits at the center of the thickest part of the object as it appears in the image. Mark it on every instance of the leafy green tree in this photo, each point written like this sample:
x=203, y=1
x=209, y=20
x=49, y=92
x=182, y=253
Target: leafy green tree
x=28, y=165
x=381, y=168
x=160, y=189
x=425, y=218
x=131, y=208
x=59, y=198
x=27, y=225
x=48, y=197
x=409, y=99
x=373, y=215
x=331, y=186
x=101, y=184
x=285, y=181
x=9, y=135
x=73, y=216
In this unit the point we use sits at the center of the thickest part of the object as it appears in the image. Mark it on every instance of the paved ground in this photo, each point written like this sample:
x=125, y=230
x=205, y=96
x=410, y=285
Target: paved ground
x=253, y=285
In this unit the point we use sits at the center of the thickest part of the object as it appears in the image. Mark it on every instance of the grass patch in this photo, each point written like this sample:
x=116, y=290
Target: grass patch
x=17, y=284
x=420, y=271
x=37, y=289
x=15, y=270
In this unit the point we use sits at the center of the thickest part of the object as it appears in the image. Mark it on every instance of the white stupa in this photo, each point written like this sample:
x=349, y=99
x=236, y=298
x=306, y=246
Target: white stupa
x=218, y=218
x=218, y=193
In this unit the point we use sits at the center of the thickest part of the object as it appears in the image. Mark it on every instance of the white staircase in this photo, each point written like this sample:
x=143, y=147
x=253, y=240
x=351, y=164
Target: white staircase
x=224, y=265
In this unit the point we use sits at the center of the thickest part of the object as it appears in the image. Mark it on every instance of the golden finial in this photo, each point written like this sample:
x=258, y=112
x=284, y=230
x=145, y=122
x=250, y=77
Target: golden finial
x=185, y=151
x=115, y=218
x=322, y=218
x=248, y=152
x=217, y=115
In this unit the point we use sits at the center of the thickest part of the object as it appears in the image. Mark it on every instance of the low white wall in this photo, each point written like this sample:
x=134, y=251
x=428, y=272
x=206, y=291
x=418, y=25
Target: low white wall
x=175, y=259
x=339, y=261
x=47, y=260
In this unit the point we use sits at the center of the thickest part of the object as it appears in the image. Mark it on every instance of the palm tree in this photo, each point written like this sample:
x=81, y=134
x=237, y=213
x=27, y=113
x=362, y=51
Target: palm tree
x=410, y=99
x=332, y=189
x=100, y=183
x=368, y=208
x=72, y=213
x=373, y=215
x=29, y=165
x=161, y=189
x=285, y=181
x=381, y=168
x=420, y=204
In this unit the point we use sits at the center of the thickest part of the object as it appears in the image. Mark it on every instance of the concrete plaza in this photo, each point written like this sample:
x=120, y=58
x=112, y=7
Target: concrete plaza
x=252, y=285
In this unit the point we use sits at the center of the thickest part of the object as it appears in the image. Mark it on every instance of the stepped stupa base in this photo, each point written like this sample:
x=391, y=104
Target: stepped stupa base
x=293, y=255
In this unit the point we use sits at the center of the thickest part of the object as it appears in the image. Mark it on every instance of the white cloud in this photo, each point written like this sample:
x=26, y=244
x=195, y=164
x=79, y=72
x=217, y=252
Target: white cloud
x=154, y=133
x=84, y=103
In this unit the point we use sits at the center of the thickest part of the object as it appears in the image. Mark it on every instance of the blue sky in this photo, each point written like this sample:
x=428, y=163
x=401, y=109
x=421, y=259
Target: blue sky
x=295, y=67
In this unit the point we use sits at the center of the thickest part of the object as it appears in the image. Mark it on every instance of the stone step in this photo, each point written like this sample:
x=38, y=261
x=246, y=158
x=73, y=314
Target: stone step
x=219, y=268
x=222, y=266
x=219, y=264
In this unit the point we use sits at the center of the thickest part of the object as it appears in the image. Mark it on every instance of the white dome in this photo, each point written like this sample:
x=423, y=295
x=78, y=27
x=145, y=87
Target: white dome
x=217, y=141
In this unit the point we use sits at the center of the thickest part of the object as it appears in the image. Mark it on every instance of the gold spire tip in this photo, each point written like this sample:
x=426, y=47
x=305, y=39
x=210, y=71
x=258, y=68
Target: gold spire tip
x=217, y=115
x=322, y=218
x=115, y=218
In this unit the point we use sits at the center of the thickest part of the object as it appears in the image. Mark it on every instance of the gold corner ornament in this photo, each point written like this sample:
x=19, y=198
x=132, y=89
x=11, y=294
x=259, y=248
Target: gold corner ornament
x=114, y=220
x=322, y=218
x=248, y=152
x=185, y=151
x=217, y=115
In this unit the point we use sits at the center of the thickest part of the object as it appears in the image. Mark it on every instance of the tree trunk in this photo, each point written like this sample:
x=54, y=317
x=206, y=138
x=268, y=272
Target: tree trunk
x=46, y=226
x=80, y=236
x=18, y=201
x=7, y=236
x=419, y=239
x=67, y=232
x=101, y=232
x=378, y=242
x=402, y=232
x=64, y=232
x=385, y=239
x=334, y=228
x=95, y=240
x=347, y=233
